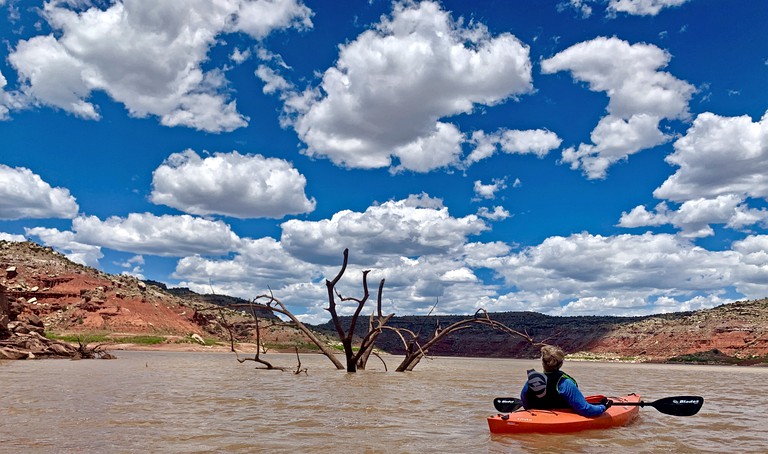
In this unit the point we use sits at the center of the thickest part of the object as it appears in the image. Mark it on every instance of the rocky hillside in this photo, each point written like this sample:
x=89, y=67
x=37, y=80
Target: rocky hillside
x=736, y=332
x=46, y=292
x=73, y=298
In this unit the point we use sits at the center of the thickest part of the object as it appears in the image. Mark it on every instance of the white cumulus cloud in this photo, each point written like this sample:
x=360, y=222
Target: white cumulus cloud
x=488, y=191
x=722, y=167
x=392, y=86
x=639, y=216
x=231, y=184
x=145, y=233
x=146, y=55
x=23, y=194
x=602, y=271
x=718, y=156
x=614, y=139
x=538, y=142
x=415, y=226
x=273, y=82
x=641, y=7
x=498, y=213
x=261, y=261
x=640, y=96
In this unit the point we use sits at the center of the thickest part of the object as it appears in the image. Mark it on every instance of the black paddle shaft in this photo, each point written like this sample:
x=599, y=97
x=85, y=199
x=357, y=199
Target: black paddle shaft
x=676, y=406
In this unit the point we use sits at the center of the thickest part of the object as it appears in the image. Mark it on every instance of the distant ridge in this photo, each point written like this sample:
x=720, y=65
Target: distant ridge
x=731, y=333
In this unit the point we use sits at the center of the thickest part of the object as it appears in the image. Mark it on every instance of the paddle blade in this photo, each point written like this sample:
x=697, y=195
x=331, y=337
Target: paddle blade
x=678, y=405
x=507, y=404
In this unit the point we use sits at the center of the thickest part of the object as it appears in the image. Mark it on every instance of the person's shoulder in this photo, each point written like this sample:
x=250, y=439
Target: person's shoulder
x=566, y=375
x=565, y=378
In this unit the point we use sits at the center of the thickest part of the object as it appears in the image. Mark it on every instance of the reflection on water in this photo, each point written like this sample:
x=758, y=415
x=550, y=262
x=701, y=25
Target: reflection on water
x=208, y=402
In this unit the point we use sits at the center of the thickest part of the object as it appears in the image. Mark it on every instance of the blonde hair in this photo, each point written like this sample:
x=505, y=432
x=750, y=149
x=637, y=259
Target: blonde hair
x=551, y=358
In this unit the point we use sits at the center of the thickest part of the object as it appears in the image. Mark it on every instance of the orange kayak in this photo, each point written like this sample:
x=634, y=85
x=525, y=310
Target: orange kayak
x=525, y=421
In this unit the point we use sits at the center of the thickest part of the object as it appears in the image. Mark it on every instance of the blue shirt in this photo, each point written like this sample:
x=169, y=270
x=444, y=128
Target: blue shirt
x=568, y=389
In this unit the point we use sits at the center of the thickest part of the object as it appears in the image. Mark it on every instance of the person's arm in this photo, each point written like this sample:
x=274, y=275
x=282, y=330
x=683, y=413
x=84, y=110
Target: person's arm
x=575, y=398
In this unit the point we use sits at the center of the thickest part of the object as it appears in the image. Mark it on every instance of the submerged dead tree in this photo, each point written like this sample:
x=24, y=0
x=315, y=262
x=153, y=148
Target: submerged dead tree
x=246, y=328
x=414, y=350
x=356, y=357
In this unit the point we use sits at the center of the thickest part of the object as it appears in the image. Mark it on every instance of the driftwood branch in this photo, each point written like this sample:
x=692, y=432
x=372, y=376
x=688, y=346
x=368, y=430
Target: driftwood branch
x=415, y=351
x=271, y=303
x=257, y=356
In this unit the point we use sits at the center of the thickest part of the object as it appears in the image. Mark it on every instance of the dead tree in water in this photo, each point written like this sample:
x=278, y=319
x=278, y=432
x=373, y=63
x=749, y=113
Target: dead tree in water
x=354, y=360
x=359, y=359
x=414, y=351
x=377, y=323
x=257, y=358
x=268, y=302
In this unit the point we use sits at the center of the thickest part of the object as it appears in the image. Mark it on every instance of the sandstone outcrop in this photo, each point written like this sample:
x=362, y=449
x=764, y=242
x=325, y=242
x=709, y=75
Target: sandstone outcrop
x=22, y=336
x=737, y=330
x=71, y=297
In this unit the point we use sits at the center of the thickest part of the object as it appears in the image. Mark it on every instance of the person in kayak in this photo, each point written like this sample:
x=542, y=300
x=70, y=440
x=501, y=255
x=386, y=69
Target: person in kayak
x=556, y=389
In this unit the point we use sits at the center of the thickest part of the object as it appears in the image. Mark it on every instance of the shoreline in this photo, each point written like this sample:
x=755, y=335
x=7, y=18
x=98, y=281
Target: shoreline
x=245, y=348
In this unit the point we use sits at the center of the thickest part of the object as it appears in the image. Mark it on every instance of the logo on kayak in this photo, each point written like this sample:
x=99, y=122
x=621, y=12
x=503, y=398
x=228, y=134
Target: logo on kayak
x=683, y=402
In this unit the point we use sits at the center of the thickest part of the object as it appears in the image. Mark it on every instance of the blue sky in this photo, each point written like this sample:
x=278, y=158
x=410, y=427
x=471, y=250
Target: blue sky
x=578, y=157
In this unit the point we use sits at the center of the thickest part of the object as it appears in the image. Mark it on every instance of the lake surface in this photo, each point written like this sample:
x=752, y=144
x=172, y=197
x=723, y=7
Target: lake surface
x=172, y=402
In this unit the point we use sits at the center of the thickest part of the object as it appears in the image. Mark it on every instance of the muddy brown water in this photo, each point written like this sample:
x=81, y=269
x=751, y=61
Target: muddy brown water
x=180, y=402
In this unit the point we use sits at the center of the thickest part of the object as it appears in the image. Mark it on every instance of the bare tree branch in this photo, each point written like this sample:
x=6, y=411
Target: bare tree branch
x=299, y=369
x=270, y=303
x=415, y=352
x=369, y=341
